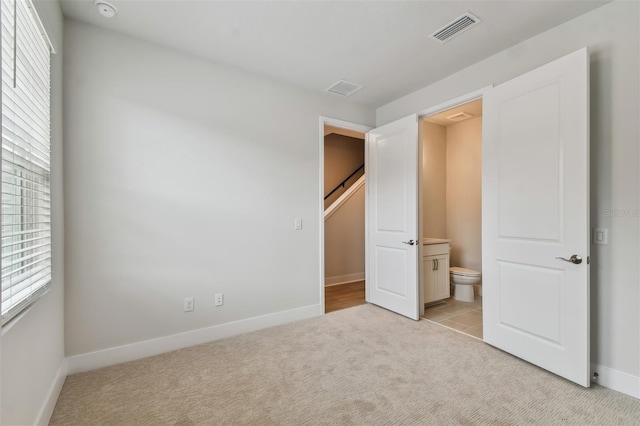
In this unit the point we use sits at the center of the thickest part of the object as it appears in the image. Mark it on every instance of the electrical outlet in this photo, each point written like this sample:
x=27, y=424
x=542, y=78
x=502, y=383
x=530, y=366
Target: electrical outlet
x=219, y=301
x=189, y=304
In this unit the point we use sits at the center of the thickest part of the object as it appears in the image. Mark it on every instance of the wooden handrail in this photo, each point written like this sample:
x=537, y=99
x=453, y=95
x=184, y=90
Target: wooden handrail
x=343, y=183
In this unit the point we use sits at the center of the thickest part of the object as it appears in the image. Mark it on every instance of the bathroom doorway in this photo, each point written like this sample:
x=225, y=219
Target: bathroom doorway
x=451, y=217
x=535, y=216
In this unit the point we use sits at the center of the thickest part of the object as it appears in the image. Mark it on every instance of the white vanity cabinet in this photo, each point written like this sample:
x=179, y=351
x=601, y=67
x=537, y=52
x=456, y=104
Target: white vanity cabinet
x=435, y=270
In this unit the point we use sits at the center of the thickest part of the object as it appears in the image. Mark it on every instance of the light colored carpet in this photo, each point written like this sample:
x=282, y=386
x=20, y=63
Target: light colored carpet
x=363, y=366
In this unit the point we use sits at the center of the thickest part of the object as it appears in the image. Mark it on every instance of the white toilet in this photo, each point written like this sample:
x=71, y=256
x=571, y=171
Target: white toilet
x=463, y=279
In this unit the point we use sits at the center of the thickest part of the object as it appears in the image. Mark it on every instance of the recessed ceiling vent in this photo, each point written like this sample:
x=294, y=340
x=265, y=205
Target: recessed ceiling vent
x=459, y=116
x=344, y=88
x=458, y=26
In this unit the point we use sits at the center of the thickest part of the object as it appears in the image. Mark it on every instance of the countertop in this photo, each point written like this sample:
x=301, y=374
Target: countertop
x=427, y=241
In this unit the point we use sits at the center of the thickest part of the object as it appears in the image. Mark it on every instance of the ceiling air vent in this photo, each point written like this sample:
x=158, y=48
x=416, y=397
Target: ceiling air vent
x=459, y=116
x=344, y=88
x=458, y=26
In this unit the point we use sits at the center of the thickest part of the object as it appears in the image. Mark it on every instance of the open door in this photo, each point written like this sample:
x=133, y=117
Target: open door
x=392, y=217
x=535, y=217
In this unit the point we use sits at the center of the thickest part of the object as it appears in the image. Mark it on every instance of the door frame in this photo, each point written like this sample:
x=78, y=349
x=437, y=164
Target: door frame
x=436, y=109
x=454, y=102
x=346, y=125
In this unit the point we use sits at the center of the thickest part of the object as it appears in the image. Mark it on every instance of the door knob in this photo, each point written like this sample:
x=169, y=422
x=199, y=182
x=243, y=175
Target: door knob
x=410, y=242
x=573, y=259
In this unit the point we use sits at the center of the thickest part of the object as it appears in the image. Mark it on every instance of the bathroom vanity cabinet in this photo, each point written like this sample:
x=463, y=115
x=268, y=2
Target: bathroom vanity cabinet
x=435, y=270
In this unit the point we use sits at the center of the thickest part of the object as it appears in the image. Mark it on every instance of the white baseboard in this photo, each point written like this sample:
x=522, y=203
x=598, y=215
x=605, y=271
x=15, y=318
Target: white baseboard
x=616, y=380
x=343, y=279
x=44, y=415
x=133, y=351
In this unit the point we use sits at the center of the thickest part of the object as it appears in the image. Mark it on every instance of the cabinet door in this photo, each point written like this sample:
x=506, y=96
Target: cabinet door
x=442, y=289
x=430, y=278
x=435, y=271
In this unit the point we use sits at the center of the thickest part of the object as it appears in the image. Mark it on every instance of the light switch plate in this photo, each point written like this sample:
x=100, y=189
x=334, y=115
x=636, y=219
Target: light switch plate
x=298, y=224
x=600, y=236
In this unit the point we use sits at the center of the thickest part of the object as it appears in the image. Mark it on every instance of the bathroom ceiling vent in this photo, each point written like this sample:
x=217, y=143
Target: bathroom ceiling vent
x=456, y=27
x=459, y=116
x=344, y=88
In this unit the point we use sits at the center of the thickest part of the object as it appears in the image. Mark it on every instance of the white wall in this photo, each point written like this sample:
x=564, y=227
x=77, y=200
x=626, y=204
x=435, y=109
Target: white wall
x=183, y=178
x=32, y=359
x=612, y=35
x=464, y=193
x=344, y=241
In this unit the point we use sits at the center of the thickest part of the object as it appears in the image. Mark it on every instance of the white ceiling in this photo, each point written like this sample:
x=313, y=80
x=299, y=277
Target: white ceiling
x=383, y=45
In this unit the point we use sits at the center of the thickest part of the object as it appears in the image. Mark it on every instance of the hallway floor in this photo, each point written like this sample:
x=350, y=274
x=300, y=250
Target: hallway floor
x=343, y=296
x=463, y=316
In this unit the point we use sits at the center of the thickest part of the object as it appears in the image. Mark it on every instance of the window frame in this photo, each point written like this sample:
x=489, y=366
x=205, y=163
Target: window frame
x=29, y=174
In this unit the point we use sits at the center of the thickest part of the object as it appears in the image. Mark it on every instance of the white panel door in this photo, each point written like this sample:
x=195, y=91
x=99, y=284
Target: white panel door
x=536, y=211
x=392, y=217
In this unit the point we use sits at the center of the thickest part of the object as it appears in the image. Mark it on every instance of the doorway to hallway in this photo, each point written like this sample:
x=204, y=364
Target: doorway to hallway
x=343, y=243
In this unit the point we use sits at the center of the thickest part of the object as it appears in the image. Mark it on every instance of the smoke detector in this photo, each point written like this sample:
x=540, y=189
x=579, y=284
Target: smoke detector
x=106, y=9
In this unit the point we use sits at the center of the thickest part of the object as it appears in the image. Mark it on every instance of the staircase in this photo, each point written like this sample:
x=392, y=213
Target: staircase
x=344, y=198
x=343, y=186
x=344, y=233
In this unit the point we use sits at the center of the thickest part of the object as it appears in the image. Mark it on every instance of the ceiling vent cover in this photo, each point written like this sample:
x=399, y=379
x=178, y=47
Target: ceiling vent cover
x=458, y=26
x=344, y=88
x=459, y=116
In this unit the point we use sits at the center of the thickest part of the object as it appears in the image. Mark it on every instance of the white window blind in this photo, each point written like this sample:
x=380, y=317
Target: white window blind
x=26, y=200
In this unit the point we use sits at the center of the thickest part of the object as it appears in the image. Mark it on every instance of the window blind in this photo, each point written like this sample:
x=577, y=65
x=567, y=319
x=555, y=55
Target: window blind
x=26, y=198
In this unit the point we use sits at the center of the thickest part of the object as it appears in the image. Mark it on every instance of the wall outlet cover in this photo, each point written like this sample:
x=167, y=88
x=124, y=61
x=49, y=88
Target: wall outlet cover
x=189, y=304
x=600, y=236
x=219, y=299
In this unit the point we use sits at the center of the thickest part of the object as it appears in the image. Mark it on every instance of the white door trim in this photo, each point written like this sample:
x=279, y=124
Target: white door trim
x=452, y=103
x=343, y=125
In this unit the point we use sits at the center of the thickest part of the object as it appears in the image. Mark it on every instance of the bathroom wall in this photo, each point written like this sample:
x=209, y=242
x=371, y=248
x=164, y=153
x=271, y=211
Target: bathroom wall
x=464, y=193
x=434, y=165
x=452, y=197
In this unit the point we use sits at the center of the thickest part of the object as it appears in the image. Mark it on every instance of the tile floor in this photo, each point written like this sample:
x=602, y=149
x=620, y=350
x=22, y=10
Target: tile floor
x=462, y=316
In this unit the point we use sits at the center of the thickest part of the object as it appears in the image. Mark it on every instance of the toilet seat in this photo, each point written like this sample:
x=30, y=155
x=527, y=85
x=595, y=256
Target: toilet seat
x=456, y=270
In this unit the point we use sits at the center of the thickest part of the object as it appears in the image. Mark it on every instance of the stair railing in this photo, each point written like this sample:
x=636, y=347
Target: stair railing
x=344, y=182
